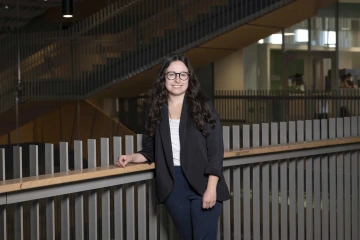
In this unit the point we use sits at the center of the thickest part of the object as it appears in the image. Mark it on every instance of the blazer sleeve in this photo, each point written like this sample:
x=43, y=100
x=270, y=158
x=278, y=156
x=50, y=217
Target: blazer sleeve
x=148, y=150
x=215, y=147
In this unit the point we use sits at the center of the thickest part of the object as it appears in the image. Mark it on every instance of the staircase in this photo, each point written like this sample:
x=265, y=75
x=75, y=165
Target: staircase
x=102, y=52
x=117, y=52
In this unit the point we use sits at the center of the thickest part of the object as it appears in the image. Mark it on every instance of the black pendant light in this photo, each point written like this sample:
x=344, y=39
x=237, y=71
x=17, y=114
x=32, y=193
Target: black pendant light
x=67, y=8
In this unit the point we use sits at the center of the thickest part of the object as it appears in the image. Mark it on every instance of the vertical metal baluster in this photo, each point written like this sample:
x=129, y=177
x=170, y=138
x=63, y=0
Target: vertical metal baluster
x=142, y=199
x=274, y=186
x=309, y=184
x=332, y=175
x=265, y=186
x=247, y=187
x=105, y=197
x=65, y=204
x=153, y=220
x=358, y=161
x=118, y=201
x=82, y=51
x=34, y=206
x=340, y=182
x=324, y=185
x=50, y=203
x=317, y=185
x=292, y=184
x=3, y=232
x=124, y=42
x=284, y=186
x=354, y=184
x=113, y=40
x=93, y=203
x=256, y=186
x=130, y=195
x=237, y=187
x=77, y=61
x=18, y=207
x=101, y=32
x=347, y=183
x=300, y=184
x=226, y=205
x=79, y=198
x=235, y=137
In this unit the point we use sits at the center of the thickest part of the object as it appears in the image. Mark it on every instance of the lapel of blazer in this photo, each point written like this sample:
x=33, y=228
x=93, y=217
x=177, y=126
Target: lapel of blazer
x=165, y=135
x=182, y=127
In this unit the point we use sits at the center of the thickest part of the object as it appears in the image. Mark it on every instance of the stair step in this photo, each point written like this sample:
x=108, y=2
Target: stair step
x=120, y=64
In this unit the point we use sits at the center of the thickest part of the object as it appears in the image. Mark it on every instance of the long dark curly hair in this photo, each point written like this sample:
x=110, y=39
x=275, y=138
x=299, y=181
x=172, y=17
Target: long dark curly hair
x=198, y=107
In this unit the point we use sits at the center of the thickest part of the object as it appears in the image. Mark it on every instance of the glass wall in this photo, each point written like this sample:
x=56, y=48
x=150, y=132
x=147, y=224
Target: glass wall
x=316, y=53
x=349, y=44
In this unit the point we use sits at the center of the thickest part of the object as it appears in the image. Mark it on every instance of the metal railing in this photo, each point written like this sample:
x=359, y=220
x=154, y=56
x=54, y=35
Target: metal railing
x=119, y=41
x=249, y=106
x=287, y=181
x=239, y=107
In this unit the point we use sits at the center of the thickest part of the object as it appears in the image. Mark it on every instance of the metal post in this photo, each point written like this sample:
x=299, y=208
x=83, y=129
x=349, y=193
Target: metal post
x=284, y=83
x=309, y=54
x=78, y=119
x=18, y=88
x=336, y=77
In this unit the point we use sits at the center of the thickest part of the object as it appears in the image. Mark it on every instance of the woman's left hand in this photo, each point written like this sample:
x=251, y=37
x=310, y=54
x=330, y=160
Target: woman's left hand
x=209, y=198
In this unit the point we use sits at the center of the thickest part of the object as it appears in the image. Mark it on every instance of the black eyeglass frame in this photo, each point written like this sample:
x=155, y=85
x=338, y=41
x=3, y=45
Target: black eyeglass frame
x=188, y=76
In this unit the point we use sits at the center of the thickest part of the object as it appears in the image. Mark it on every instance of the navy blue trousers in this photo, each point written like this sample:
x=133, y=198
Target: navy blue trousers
x=185, y=208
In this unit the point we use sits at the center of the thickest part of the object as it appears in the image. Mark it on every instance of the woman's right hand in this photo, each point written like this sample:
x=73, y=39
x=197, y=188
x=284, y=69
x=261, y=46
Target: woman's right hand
x=123, y=160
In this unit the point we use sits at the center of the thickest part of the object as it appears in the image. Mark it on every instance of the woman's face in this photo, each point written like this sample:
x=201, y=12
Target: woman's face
x=177, y=78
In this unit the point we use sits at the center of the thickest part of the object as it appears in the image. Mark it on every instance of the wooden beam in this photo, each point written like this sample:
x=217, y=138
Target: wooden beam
x=27, y=183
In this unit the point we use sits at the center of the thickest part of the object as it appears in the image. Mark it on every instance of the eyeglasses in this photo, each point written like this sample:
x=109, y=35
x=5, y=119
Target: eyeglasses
x=184, y=76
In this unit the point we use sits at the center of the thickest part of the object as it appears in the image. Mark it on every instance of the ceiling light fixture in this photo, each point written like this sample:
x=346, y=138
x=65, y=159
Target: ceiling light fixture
x=6, y=7
x=67, y=8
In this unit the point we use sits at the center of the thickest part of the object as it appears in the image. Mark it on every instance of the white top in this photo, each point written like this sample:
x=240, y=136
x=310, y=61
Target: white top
x=175, y=140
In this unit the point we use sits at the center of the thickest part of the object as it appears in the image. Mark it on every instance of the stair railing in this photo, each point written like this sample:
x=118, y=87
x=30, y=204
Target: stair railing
x=82, y=71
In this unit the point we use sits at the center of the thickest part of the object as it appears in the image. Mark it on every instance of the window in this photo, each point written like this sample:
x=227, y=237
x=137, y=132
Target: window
x=301, y=35
x=329, y=38
x=276, y=38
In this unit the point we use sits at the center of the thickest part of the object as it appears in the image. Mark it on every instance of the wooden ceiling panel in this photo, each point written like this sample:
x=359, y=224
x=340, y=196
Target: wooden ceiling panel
x=292, y=13
x=201, y=56
x=240, y=37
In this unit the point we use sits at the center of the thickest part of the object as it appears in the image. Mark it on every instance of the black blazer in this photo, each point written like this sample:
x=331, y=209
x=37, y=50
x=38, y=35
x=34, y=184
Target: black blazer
x=199, y=155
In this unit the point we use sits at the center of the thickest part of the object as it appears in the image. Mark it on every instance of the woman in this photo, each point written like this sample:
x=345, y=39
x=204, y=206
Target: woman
x=184, y=138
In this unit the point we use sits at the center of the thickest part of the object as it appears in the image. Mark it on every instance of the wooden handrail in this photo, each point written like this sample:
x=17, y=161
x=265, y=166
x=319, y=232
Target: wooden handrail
x=108, y=171
x=289, y=147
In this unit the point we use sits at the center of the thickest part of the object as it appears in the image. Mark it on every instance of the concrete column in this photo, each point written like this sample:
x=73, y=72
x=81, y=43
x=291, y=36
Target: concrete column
x=263, y=60
x=250, y=64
